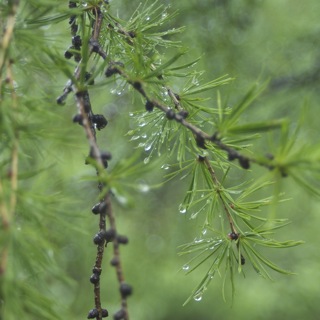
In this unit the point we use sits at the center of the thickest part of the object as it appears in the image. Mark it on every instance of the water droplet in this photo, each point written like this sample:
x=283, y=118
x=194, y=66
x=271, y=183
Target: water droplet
x=146, y=160
x=204, y=231
x=144, y=136
x=147, y=18
x=198, y=240
x=164, y=15
x=113, y=91
x=131, y=114
x=165, y=166
x=185, y=267
x=141, y=145
x=142, y=123
x=134, y=138
x=143, y=187
x=148, y=146
x=119, y=92
x=198, y=296
x=182, y=208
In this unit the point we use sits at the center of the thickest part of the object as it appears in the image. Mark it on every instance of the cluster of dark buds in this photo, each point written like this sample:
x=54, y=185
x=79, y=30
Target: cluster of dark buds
x=94, y=313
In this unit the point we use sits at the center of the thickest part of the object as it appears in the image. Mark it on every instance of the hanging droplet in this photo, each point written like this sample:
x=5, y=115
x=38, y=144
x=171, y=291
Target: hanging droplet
x=185, y=267
x=134, y=138
x=204, y=231
x=143, y=187
x=146, y=160
x=148, y=146
x=198, y=296
x=182, y=208
x=165, y=166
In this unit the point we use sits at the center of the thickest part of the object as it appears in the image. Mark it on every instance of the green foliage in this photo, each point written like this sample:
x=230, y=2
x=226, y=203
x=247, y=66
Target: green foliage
x=231, y=158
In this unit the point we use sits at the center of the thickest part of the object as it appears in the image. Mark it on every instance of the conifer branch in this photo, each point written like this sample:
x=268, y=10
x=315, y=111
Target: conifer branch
x=90, y=122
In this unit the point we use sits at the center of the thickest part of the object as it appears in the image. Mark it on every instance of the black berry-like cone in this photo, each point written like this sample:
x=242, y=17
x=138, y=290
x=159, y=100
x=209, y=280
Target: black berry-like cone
x=96, y=208
x=149, y=106
x=244, y=162
x=77, y=119
x=114, y=261
x=125, y=290
x=76, y=41
x=94, y=278
x=232, y=155
x=233, y=236
x=184, y=114
x=99, y=238
x=104, y=313
x=99, y=120
x=96, y=270
x=110, y=235
x=68, y=54
x=87, y=77
x=122, y=239
x=93, y=313
x=170, y=114
x=200, y=142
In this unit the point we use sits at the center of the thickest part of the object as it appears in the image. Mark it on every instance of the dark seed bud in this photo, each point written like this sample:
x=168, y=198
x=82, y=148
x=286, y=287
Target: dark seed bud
x=77, y=119
x=149, y=106
x=104, y=313
x=232, y=154
x=184, y=114
x=99, y=238
x=72, y=4
x=96, y=270
x=99, y=120
x=132, y=34
x=122, y=239
x=68, y=54
x=119, y=315
x=93, y=313
x=60, y=100
x=243, y=260
x=105, y=155
x=201, y=158
x=114, y=261
x=137, y=85
x=244, y=162
x=170, y=114
x=110, y=235
x=200, y=142
x=74, y=28
x=76, y=41
x=125, y=290
x=88, y=78
x=94, y=278
x=77, y=58
x=233, y=236
x=96, y=208
x=95, y=46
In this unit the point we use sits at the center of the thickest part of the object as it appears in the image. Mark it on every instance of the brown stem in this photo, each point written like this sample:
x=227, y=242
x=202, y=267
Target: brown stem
x=217, y=183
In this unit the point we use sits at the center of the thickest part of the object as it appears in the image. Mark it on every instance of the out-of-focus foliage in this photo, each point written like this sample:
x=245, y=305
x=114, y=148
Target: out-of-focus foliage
x=248, y=40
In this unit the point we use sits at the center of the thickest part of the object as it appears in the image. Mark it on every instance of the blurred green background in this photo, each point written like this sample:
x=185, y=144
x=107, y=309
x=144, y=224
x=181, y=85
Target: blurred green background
x=250, y=40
